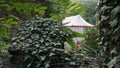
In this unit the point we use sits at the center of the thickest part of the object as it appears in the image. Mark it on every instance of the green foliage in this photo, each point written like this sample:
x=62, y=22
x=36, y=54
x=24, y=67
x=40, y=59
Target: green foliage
x=42, y=40
x=89, y=52
x=5, y=24
x=15, y=11
x=23, y=10
x=79, y=57
x=63, y=8
x=74, y=9
x=75, y=34
x=91, y=46
x=55, y=9
x=29, y=7
x=87, y=9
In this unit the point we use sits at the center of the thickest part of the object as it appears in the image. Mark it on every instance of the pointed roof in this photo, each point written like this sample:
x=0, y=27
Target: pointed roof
x=76, y=20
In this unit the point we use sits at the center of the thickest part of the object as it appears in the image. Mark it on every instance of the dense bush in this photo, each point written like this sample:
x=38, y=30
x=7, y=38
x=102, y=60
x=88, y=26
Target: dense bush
x=42, y=43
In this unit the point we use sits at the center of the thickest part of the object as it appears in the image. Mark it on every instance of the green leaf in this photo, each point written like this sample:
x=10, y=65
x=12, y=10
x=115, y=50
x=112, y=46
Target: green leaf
x=11, y=21
x=111, y=63
x=115, y=12
x=117, y=65
x=40, y=10
x=113, y=51
x=114, y=22
x=7, y=6
x=42, y=58
x=14, y=17
x=55, y=16
x=37, y=45
x=28, y=66
x=70, y=41
x=47, y=65
x=76, y=34
x=43, y=7
x=51, y=54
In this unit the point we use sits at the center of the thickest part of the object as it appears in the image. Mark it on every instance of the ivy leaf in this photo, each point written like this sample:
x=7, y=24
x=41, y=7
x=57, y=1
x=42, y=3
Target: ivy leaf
x=113, y=51
x=118, y=62
x=114, y=22
x=37, y=45
x=42, y=40
x=28, y=66
x=42, y=58
x=47, y=65
x=114, y=15
x=111, y=63
x=51, y=54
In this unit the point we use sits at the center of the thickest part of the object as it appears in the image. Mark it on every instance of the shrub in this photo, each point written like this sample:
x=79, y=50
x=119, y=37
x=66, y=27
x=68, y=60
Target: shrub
x=42, y=43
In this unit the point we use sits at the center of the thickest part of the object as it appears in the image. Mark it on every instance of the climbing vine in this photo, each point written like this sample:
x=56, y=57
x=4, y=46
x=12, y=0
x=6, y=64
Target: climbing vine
x=110, y=31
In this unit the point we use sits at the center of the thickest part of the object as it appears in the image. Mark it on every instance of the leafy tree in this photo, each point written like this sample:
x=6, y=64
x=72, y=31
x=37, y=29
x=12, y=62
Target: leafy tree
x=65, y=8
x=22, y=10
x=56, y=9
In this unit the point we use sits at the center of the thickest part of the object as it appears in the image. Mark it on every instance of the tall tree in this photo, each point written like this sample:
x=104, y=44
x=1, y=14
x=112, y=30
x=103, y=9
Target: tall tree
x=110, y=31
